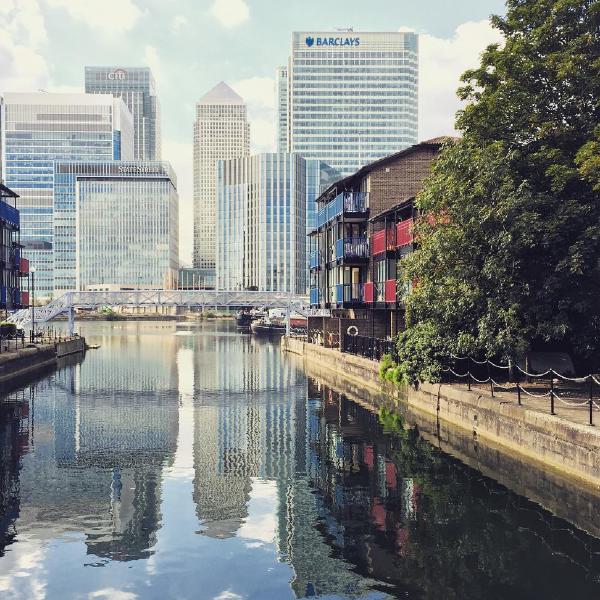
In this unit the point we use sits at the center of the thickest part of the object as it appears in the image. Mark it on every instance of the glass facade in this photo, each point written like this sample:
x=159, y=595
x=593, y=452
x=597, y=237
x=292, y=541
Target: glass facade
x=221, y=131
x=349, y=98
x=127, y=224
x=37, y=130
x=261, y=223
x=137, y=88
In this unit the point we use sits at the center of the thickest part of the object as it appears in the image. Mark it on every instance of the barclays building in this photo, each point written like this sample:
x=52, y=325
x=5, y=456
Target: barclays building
x=349, y=98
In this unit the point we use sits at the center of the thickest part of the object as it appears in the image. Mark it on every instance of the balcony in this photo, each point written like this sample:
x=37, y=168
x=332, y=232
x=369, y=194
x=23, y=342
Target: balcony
x=24, y=299
x=404, y=233
x=368, y=290
x=9, y=213
x=391, y=290
x=315, y=259
x=347, y=203
x=349, y=293
x=315, y=297
x=383, y=241
x=353, y=248
x=24, y=267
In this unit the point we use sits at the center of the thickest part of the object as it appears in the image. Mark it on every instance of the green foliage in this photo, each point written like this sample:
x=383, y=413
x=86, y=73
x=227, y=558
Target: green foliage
x=390, y=371
x=110, y=314
x=513, y=262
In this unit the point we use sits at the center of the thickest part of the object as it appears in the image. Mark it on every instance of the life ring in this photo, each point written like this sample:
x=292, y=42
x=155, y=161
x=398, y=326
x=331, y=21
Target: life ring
x=352, y=330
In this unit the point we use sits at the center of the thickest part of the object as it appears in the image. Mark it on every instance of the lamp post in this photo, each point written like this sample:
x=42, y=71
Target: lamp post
x=32, y=272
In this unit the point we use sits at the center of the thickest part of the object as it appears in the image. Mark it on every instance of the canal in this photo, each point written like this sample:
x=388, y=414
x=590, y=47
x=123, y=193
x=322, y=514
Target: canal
x=190, y=461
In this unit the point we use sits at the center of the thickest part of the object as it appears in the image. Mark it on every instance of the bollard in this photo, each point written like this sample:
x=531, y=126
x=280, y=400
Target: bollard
x=552, y=393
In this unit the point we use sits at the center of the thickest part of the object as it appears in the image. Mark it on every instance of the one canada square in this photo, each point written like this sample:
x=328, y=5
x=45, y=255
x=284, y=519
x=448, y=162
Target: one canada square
x=221, y=131
x=348, y=97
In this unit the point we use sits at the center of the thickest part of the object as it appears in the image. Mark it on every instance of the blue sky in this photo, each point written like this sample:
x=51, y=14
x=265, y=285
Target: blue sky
x=193, y=44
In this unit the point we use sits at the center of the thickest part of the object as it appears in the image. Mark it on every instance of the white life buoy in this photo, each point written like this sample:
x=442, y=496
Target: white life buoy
x=352, y=330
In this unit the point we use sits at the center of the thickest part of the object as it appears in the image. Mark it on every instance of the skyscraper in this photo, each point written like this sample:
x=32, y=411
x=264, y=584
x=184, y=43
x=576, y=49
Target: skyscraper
x=348, y=98
x=38, y=129
x=261, y=223
x=221, y=131
x=127, y=232
x=137, y=88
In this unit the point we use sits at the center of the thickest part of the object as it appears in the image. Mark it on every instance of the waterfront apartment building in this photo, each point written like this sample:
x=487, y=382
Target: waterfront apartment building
x=347, y=97
x=12, y=266
x=137, y=88
x=36, y=130
x=221, y=131
x=261, y=223
x=127, y=224
x=363, y=230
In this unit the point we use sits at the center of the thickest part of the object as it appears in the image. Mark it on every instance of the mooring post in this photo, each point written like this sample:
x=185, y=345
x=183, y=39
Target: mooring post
x=71, y=316
x=287, y=320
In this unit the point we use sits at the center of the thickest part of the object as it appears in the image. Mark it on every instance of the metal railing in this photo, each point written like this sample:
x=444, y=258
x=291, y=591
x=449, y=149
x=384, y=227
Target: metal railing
x=348, y=202
x=569, y=391
x=349, y=293
x=368, y=347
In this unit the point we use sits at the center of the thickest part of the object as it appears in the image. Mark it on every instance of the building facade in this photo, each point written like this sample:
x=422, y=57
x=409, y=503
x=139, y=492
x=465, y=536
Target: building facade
x=221, y=131
x=349, y=98
x=261, y=223
x=363, y=230
x=12, y=266
x=38, y=129
x=137, y=88
x=127, y=224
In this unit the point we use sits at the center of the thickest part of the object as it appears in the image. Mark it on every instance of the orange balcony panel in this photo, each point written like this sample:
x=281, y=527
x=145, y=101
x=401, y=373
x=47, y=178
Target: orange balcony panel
x=390, y=290
x=24, y=266
x=368, y=292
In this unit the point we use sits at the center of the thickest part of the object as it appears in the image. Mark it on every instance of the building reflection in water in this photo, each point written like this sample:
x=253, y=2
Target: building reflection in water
x=349, y=503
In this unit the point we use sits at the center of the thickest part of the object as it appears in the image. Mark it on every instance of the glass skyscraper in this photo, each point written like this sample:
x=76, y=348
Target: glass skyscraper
x=137, y=88
x=261, y=223
x=38, y=129
x=127, y=233
x=348, y=98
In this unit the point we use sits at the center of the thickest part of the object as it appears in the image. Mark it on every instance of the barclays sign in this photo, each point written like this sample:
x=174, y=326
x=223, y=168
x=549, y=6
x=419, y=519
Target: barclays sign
x=332, y=41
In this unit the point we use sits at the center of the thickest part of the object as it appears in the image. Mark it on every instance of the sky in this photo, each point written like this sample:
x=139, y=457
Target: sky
x=191, y=45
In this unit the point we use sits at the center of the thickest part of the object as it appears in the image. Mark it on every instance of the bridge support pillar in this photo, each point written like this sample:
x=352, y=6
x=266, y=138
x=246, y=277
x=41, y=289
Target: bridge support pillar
x=71, y=320
x=287, y=320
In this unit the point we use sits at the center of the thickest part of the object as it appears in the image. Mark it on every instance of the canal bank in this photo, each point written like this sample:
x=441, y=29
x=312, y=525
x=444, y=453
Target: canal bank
x=28, y=360
x=548, y=442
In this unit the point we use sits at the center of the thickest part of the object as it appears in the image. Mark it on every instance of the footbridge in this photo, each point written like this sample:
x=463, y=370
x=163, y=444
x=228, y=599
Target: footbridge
x=68, y=302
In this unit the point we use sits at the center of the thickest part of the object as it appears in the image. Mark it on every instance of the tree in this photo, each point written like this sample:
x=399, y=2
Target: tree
x=508, y=256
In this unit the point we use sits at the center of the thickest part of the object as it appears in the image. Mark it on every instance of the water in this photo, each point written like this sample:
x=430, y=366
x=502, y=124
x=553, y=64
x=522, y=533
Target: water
x=193, y=462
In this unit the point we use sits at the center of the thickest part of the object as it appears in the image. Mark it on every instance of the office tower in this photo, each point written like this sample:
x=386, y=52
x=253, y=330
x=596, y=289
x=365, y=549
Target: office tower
x=221, y=131
x=261, y=223
x=351, y=97
x=282, y=87
x=127, y=224
x=137, y=88
x=38, y=129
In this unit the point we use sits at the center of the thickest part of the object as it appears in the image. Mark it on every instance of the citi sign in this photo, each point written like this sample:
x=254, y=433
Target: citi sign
x=118, y=74
x=332, y=41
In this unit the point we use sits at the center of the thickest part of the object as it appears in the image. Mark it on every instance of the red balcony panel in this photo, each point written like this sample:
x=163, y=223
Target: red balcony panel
x=24, y=299
x=24, y=266
x=404, y=233
x=368, y=292
x=378, y=242
x=390, y=290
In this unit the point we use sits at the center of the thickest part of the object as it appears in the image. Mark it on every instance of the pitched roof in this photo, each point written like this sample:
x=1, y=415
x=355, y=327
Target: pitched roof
x=221, y=94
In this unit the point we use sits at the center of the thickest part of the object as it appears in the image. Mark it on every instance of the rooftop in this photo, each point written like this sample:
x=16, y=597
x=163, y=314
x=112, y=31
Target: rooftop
x=221, y=94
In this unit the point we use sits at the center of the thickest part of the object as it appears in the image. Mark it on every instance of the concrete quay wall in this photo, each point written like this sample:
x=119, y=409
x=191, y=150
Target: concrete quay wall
x=548, y=442
x=29, y=360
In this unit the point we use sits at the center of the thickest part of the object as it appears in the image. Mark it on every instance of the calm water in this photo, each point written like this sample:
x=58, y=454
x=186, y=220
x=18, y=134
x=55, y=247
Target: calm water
x=193, y=462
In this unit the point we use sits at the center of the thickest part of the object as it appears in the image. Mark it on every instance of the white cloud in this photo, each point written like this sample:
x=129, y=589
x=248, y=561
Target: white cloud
x=112, y=16
x=178, y=23
x=228, y=595
x=442, y=61
x=112, y=594
x=22, y=63
x=230, y=13
x=259, y=95
x=180, y=155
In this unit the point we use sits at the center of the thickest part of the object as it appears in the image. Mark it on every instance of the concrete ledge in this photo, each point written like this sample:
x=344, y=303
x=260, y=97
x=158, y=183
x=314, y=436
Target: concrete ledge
x=549, y=442
x=25, y=361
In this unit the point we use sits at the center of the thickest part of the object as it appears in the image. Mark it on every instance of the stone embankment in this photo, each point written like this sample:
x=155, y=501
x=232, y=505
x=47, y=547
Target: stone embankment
x=28, y=360
x=546, y=441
